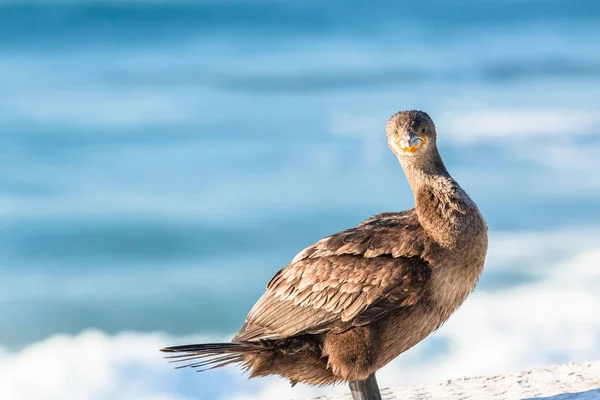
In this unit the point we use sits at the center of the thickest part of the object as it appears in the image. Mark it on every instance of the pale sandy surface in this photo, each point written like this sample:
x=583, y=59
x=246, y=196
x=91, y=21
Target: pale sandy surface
x=557, y=382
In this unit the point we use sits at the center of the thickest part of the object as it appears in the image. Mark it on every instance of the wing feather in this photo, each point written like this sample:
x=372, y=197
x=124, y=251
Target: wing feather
x=351, y=278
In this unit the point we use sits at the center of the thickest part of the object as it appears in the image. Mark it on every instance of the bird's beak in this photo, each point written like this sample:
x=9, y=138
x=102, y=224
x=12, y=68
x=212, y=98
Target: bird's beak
x=411, y=143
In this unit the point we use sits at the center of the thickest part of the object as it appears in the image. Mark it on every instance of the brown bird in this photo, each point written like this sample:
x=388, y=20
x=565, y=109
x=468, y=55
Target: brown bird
x=352, y=302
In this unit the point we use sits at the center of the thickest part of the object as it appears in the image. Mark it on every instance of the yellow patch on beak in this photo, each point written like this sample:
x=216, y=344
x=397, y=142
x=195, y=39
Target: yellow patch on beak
x=412, y=145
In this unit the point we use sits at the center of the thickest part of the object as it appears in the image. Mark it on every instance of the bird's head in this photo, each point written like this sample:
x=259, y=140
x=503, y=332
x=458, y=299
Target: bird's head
x=411, y=135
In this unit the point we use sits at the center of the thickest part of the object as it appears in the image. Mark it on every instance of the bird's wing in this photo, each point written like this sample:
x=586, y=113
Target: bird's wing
x=394, y=234
x=351, y=278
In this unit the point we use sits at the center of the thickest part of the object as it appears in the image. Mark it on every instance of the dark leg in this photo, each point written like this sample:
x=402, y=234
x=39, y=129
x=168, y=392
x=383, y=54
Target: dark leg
x=365, y=390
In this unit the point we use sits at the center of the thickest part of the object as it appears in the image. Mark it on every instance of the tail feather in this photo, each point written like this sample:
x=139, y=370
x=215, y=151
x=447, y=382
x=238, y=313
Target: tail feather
x=212, y=355
x=215, y=362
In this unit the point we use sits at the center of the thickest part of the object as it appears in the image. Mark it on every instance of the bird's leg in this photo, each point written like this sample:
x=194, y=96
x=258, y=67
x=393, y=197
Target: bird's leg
x=365, y=390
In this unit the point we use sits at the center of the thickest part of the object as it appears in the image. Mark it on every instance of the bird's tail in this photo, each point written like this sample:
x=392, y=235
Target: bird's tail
x=212, y=355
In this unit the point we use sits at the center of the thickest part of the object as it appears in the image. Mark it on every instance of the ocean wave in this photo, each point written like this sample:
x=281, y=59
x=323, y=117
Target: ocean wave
x=490, y=124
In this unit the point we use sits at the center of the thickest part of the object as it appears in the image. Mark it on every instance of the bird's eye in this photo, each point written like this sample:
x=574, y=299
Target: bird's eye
x=396, y=132
x=423, y=130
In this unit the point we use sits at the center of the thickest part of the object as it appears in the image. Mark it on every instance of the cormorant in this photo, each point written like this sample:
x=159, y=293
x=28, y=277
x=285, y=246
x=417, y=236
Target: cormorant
x=352, y=302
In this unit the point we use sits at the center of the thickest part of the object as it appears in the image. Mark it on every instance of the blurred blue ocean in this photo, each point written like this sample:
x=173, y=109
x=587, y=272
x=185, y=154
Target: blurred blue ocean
x=159, y=161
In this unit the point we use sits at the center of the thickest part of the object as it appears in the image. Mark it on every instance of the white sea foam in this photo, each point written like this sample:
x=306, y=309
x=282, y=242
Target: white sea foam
x=519, y=124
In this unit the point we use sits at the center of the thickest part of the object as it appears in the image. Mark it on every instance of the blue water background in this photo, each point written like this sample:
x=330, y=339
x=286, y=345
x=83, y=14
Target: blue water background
x=159, y=161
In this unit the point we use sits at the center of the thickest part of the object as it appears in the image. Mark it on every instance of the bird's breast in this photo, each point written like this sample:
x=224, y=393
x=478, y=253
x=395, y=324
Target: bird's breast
x=455, y=273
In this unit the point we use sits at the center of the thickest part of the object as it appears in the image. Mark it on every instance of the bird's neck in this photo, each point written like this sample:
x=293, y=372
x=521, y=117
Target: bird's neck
x=440, y=202
x=428, y=172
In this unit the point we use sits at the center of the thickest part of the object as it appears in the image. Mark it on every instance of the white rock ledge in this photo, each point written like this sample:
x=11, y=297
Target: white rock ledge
x=557, y=382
